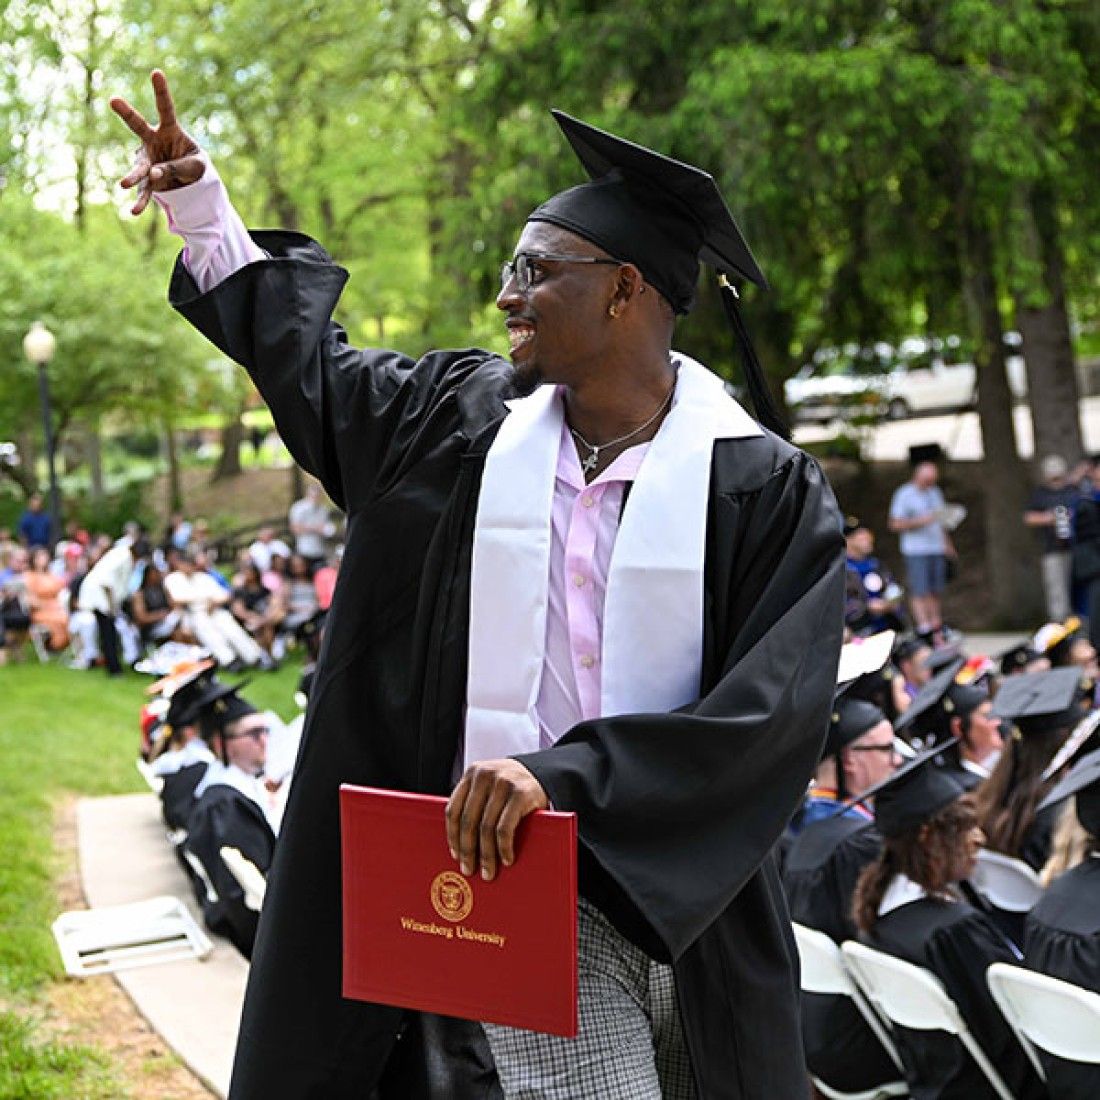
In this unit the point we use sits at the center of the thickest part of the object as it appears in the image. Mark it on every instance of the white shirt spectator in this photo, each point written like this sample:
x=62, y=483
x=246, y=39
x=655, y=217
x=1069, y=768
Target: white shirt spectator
x=263, y=549
x=108, y=581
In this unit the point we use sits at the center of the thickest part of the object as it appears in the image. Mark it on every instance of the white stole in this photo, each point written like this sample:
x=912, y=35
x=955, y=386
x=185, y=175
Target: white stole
x=652, y=653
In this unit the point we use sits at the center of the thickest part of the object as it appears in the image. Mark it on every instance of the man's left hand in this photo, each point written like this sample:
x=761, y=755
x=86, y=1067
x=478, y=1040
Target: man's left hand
x=485, y=810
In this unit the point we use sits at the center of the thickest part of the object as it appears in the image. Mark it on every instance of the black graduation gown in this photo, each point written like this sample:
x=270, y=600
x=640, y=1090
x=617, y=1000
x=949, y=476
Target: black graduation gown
x=177, y=795
x=222, y=815
x=819, y=877
x=1036, y=845
x=1062, y=939
x=677, y=812
x=957, y=943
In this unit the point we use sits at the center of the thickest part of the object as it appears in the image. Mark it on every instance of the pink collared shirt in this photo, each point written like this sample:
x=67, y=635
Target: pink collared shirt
x=584, y=522
x=584, y=518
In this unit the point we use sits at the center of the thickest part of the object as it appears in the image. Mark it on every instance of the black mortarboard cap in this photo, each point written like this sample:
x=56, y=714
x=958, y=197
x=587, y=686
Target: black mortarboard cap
x=1082, y=780
x=665, y=217
x=915, y=793
x=1038, y=702
x=1016, y=659
x=926, y=705
x=942, y=657
x=851, y=718
x=222, y=704
x=185, y=698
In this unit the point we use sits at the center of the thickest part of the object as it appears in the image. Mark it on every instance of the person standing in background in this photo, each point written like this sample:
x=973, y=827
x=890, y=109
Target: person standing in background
x=1050, y=511
x=34, y=524
x=916, y=514
x=310, y=523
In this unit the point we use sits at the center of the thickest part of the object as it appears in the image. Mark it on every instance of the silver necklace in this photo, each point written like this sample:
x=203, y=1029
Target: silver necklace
x=593, y=459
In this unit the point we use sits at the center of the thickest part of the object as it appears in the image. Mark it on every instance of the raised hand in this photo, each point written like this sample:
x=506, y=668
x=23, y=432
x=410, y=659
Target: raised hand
x=169, y=157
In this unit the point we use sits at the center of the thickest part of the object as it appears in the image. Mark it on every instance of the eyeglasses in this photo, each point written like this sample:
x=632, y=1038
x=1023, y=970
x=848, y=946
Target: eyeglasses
x=255, y=733
x=524, y=266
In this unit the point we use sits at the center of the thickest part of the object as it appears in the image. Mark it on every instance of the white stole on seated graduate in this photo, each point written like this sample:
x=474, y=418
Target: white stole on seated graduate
x=652, y=652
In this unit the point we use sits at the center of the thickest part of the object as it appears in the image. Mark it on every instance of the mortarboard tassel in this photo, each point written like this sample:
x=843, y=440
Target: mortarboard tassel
x=763, y=402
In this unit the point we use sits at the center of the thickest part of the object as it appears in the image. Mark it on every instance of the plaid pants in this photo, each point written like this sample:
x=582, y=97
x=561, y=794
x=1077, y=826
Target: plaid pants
x=629, y=1044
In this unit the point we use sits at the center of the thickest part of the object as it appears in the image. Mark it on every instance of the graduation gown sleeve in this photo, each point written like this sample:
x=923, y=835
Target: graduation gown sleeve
x=352, y=418
x=677, y=811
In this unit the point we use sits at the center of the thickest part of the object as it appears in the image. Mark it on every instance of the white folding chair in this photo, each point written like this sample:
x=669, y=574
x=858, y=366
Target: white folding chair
x=913, y=997
x=1007, y=883
x=823, y=971
x=248, y=875
x=1061, y=1018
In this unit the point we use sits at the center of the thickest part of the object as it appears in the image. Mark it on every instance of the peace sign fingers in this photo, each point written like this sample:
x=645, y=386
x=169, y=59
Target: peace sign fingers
x=166, y=109
x=134, y=119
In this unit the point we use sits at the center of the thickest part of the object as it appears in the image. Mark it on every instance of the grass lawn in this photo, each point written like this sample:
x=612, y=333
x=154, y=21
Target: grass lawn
x=62, y=732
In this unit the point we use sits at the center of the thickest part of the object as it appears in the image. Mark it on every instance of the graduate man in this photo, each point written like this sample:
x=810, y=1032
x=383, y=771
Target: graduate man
x=585, y=578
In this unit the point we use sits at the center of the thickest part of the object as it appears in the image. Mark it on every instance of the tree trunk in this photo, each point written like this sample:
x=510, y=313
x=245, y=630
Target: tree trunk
x=229, y=462
x=1013, y=581
x=94, y=452
x=1043, y=320
x=174, y=481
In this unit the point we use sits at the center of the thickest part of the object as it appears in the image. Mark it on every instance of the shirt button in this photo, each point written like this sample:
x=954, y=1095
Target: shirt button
x=579, y=579
x=588, y=661
x=588, y=500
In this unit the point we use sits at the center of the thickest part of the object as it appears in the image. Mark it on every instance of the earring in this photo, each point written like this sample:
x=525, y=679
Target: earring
x=612, y=311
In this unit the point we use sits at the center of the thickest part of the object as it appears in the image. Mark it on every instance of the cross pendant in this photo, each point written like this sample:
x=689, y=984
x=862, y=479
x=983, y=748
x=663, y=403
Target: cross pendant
x=590, y=463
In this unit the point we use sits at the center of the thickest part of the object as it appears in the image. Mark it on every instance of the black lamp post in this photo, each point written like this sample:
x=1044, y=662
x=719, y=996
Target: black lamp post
x=38, y=346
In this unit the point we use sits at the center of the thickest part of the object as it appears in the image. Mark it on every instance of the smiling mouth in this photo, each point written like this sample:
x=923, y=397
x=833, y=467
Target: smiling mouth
x=519, y=336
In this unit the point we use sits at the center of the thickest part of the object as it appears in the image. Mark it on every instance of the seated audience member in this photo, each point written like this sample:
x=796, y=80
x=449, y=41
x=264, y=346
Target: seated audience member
x=1062, y=933
x=944, y=710
x=44, y=589
x=202, y=604
x=908, y=904
x=822, y=864
x=15, y=609
x=255, y=608
x=274, y=576
x=873, y=600
x=182, y=757
x=324, y=579
x=177, y=533
x=1043, y=708
x=910, y=659
x=200, y=541
x=231, y=809
x=264, y=546
x=103, y=591
x=151, y=609
x=297, y=600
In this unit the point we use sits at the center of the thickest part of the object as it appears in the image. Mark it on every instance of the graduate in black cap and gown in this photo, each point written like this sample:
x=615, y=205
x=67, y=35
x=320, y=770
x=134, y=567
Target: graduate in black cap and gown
x=823, y=862
x=944, y=708
x=1043, y=708
x=681, y=724
x=1062, y=933
x=182, y=756
x=230, y=810
x=908, y=904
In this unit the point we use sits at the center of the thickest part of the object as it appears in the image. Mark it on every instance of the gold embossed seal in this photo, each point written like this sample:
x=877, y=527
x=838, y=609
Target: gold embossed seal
x=452, y=897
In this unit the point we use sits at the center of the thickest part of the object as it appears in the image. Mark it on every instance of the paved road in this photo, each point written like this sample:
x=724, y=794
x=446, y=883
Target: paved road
x=958, y=434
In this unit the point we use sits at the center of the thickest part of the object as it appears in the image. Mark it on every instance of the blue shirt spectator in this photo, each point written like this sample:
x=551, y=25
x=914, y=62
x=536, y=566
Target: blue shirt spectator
x=34, y=524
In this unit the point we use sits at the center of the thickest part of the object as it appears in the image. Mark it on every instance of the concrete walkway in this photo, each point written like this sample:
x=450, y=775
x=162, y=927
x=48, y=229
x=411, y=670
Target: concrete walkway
x=194, y=1006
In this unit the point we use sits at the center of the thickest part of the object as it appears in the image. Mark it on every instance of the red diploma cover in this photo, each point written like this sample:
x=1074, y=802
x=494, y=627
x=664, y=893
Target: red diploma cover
x=418, y=934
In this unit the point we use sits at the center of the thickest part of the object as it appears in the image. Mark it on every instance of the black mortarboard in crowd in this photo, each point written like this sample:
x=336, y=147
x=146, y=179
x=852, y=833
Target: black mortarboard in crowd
x=945, y=655
x=915, y=793
x=1016, y=659
x=1039, y=702
x=186, y=697
x=221, y=705
x=1082, y=780
x=665, y=217
x=941, y=698
x=851, y=719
